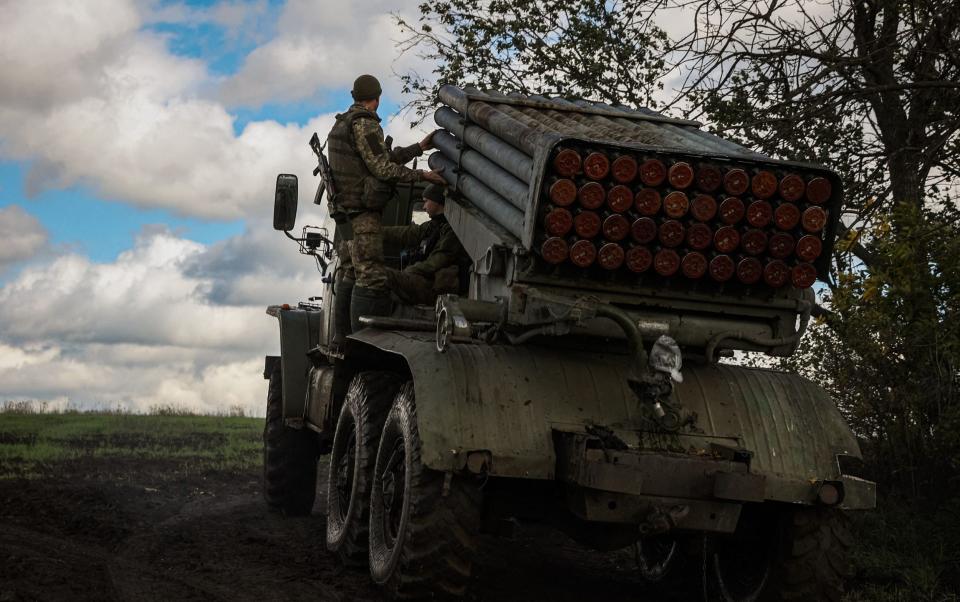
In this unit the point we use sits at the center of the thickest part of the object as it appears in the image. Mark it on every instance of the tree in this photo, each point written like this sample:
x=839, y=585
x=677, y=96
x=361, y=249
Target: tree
x=596, y=49
x=869, y=87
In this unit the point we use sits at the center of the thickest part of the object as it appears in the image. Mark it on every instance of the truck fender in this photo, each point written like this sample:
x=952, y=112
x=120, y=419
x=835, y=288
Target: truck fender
x=501, y=406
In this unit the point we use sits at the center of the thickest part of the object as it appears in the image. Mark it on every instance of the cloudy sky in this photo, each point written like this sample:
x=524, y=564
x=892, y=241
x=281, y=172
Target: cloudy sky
x=139, y=144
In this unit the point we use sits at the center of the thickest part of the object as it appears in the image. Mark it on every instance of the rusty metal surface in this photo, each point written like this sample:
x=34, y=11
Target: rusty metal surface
x=509, y=400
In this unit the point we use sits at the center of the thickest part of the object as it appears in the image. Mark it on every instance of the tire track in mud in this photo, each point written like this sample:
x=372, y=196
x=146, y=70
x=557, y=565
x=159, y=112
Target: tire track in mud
x=143, y=534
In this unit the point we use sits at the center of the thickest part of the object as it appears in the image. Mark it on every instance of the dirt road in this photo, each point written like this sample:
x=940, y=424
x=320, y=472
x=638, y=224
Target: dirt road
x=98, y=529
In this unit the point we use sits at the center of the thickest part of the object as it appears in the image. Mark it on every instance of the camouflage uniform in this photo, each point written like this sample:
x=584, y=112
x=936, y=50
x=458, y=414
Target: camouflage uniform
x=366, y=172
x=436, y=265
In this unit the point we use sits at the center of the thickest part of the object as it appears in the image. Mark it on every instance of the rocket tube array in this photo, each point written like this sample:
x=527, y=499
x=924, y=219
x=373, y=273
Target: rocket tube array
x=634, y=213
x=680, y=218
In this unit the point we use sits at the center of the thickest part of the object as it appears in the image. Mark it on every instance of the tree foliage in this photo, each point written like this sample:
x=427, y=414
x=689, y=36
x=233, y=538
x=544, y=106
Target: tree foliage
x=869, y=87
x=596, y=49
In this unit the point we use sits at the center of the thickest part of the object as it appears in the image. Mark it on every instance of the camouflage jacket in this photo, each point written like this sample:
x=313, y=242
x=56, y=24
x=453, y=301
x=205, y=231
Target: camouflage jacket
x=436, y=244
x=364, y=169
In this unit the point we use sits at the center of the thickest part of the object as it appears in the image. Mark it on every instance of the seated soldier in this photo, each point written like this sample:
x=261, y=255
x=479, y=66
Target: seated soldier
x=438, y=257
x=434, y=268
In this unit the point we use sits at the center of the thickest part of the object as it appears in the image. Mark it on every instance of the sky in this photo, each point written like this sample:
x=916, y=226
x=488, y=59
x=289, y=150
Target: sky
x=139, y=146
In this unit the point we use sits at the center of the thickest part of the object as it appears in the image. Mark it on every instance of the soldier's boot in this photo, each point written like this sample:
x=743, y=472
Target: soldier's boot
x=368, y=302
x=341, y=310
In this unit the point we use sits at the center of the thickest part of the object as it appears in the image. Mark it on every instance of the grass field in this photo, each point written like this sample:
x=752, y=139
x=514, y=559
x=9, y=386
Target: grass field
x=33, y=445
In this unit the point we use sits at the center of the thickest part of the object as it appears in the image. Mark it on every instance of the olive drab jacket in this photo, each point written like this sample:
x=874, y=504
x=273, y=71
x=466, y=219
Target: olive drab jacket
x=364, y=168
x=437, y=246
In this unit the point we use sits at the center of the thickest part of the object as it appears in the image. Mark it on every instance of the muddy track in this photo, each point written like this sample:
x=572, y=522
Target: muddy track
x=97, y=531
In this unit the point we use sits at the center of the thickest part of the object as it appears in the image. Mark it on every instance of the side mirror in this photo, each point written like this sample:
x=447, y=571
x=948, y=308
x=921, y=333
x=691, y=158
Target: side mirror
x=285, y=203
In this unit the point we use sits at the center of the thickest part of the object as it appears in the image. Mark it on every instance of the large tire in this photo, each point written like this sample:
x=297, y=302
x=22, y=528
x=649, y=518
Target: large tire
x=794, y=555
x=422, y=522
x=816, y=564
x=351, y=463
x=289, y=458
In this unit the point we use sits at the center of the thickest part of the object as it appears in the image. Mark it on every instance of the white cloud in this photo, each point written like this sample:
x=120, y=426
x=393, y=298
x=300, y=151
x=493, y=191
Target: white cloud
x=108, y=106
x=21, y=233
x=90, y=97
x=321, y=45
x=144, y=330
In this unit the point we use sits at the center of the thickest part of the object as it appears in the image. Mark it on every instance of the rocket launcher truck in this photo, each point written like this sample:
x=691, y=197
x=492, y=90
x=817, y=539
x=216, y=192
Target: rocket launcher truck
x=618, y=255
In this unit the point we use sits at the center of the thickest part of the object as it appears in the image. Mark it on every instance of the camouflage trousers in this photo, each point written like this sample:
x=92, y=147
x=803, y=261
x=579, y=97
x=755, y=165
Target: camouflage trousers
x=362, y=256
x=411, y=288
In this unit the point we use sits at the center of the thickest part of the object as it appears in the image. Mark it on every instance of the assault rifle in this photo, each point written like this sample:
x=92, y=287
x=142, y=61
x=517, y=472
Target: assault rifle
x=326, y=180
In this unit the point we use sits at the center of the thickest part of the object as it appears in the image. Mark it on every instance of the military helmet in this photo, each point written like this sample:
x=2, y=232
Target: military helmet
x=434, y=192
x=366, y=87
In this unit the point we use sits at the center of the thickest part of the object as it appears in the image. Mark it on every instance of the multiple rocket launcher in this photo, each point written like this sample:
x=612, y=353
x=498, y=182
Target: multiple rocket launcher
x=631, y=213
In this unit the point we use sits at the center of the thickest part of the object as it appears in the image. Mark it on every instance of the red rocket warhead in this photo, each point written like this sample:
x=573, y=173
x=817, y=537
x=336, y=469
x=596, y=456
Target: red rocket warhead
x=764, y=184
x=563, y=192
x=699, y=237
x=610, y=256
x=781, y=245
x=554, y=250
x=620, y=198
x=586, y=224
x=814, y=219
x=703, y=207
x=819, y=190
x=653, y=172
x=749, y=270
x=736, y=181
x=803, y=275
x=616, y=227
x=583, y=253
x=567, y=163
x=759, y=214
x=809, y=248
x=680, y=175
x=558, y=222
x=596, y=166
x=647, y=201
x=624, y=169
x=644, y=230
x=694, y=265
x=721, y=268
x=666, y=262
x=592, y=195
x=639, y=259
x=726, y=239
x=792, y=188
x=776, y=274
x=731, y=210
x=676, y=204
x=709, y=178
x=671, y=233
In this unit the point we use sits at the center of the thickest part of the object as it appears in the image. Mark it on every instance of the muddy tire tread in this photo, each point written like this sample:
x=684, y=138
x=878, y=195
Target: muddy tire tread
x=375, y=390
x=289, y=458
x=815, y=564
x=438, y=550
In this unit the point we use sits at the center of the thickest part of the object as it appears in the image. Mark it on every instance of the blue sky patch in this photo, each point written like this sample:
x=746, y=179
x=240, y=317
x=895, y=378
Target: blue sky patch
x=100, y=229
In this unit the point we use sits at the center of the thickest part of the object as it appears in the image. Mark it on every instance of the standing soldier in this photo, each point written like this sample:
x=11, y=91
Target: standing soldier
x=366, y=173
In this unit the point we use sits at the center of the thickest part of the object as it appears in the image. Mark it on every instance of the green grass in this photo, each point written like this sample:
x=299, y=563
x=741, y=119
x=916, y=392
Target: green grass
x=31, y=443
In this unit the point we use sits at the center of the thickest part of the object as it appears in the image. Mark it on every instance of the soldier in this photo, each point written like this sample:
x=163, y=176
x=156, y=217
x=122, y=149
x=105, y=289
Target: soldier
x=434, y=267
x=366, y=172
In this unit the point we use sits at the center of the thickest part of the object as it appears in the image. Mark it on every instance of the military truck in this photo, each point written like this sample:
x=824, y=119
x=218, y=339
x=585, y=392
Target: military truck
x=618, y=255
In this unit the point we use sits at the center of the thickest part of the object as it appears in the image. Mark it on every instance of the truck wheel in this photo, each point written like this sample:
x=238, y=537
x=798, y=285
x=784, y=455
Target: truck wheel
x=351, y=463
x=289, y=458
x=422, y=522
x=815, y=564
x=657, y=556
x=800, y=556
